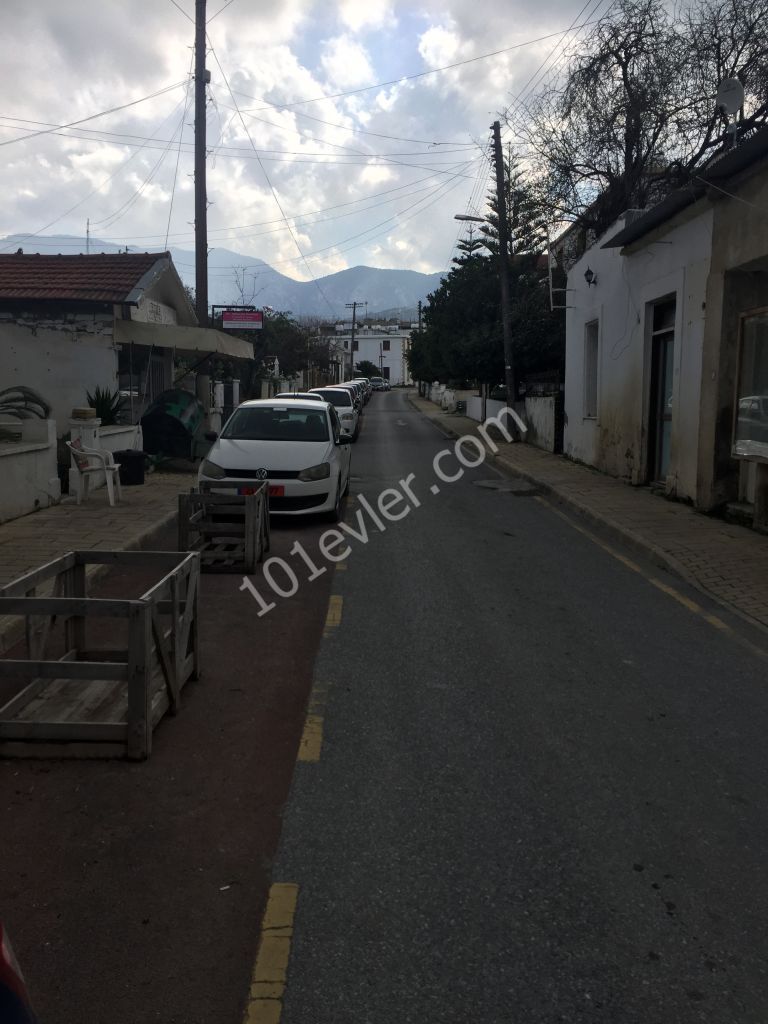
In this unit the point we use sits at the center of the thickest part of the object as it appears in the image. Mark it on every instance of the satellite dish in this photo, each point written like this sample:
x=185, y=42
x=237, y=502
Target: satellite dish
x=730, y=96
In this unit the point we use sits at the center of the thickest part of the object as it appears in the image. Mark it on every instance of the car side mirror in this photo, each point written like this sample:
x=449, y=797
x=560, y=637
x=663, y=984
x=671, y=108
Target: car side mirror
x=345, y=438
x=211, y=435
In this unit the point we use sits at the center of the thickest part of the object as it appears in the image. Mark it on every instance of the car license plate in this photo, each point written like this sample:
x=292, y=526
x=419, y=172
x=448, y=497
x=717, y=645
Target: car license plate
x=246, y=490
x=276, y=491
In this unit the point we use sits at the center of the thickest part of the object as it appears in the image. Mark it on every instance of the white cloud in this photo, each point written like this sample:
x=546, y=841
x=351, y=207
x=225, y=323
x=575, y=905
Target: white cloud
x=346, y=63
x=373, y=14
x=275, y=54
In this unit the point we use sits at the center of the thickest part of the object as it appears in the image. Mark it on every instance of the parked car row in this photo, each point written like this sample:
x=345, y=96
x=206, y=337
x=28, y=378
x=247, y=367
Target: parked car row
x=299, y=442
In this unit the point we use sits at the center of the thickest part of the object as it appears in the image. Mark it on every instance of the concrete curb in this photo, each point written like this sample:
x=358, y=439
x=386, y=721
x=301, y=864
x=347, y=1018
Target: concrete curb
x=618, y=533
x=12, y=634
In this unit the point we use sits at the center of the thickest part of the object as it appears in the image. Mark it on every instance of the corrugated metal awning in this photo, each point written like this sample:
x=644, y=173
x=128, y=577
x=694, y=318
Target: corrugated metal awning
x=183, y=339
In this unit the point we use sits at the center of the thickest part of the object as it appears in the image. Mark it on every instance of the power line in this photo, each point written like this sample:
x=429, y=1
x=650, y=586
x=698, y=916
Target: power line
x=178, y=150
x=269, y=183
x=92, y=117
x=226, y=5
x=93, y=191
x=409, y=78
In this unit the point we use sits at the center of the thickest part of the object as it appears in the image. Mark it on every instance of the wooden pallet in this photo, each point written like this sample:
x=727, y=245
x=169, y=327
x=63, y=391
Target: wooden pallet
x=230, y=532
x=102, y=702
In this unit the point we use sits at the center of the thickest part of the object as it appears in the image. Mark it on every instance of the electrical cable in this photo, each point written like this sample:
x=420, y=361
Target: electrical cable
x=93, y=191
x=178, y=151
x=91, y=117
x=269, y=183
x=407, y=78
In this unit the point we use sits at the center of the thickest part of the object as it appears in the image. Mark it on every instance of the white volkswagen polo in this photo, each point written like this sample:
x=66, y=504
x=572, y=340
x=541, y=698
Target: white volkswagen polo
x=297, y=445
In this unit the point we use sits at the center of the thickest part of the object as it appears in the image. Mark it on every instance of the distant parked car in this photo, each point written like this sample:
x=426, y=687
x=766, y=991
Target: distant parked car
x=377, y=383
x=15, y=1006
x=341, y=400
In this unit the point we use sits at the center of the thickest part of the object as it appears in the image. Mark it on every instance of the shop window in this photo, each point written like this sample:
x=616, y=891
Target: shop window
x=751, y=433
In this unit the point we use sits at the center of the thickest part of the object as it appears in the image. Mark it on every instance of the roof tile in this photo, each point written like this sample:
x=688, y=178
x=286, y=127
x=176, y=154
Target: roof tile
x=101, y=277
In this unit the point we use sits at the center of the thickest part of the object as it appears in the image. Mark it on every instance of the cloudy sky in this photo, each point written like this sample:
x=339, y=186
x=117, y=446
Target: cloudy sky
x=340, y=132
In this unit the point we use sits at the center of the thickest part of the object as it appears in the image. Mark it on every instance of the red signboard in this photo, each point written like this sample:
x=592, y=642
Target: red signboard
x=242, y=320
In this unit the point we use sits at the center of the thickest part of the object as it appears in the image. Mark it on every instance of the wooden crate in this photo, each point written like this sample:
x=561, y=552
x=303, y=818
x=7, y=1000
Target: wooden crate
x=229, y=531
x=101, y=702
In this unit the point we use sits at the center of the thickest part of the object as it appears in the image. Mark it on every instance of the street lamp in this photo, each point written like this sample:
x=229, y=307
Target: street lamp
x=506, y=327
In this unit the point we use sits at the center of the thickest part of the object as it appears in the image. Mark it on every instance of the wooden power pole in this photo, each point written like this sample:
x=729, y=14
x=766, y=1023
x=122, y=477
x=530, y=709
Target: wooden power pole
x=501, y=210
x=202, y=78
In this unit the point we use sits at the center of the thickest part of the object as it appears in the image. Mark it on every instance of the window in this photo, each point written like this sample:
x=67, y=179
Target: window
x=591, y=334
x=355, y=345
x=751, y=435
x=386, y=344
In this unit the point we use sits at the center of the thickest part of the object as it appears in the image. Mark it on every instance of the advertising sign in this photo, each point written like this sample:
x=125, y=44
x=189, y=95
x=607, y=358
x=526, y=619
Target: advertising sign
x=242, y=320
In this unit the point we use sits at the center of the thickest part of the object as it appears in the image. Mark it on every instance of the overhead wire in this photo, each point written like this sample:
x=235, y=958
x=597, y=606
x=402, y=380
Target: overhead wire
x=98, y=188
x=409, y=78
x=178, y=150
x=269, y=182
x=92, y=117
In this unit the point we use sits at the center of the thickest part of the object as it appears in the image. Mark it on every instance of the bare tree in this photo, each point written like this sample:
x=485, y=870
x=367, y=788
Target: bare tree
x=634, y=113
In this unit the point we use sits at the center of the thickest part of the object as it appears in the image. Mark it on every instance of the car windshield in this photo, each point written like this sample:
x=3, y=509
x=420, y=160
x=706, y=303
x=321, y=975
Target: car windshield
x=276, y=423
x=337, y=398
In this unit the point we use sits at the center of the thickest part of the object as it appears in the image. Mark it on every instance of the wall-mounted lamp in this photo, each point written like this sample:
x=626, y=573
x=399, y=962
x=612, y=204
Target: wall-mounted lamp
x=590, y=277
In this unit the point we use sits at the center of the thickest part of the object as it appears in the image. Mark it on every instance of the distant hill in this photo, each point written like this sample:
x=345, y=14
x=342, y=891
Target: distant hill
x=388, y=293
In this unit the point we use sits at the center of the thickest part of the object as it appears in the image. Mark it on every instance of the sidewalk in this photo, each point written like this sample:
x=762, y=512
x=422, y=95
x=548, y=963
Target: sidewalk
x=727, y=562
x=40, y=537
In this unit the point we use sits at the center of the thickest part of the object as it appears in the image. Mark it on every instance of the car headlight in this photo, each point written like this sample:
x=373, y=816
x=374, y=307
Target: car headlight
x=210, y=469
x=347, y=416
x=316, y=472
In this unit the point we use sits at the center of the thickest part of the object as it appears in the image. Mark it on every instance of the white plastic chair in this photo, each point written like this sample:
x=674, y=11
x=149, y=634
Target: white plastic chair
x=92, y=460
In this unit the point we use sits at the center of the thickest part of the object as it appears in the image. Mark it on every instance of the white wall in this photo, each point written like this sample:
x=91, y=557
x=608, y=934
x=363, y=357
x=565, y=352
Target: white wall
x=674, y=263
x=540, y=420
x=28, y=469
x=371, y=346
x=61, y=360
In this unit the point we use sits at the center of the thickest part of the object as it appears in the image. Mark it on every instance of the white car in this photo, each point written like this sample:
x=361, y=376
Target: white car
x=298, y=446
x=341, y=399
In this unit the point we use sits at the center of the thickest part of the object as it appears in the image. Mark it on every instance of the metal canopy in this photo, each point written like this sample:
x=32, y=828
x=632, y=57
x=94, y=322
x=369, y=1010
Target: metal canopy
x=184, y=340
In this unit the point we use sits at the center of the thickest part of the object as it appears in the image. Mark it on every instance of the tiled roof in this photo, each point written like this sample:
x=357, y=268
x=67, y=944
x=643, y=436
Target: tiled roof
x=101, y=277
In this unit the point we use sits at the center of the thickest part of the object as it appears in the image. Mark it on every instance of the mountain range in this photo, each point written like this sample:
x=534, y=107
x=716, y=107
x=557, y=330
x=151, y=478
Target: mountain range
x=236, y=278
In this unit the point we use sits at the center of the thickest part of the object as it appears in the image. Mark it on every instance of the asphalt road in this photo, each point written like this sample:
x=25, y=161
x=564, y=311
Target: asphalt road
x=541, y=790
x=540, y=794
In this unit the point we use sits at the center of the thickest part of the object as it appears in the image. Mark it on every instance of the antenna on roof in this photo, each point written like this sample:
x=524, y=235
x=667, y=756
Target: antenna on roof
x=730, y=99
x=88, y=236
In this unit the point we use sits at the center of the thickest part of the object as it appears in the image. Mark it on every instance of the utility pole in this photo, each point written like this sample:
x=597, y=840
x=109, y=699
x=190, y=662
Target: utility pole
x=506, y=326
x=202, y=78
x=353, y=306
x=88, y=236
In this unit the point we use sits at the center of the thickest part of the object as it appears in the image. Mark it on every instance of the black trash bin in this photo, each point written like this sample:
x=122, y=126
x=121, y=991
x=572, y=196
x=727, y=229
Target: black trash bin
x=131, y=466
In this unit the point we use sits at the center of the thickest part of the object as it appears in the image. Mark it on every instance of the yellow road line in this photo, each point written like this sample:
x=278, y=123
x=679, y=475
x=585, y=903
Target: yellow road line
x=333, y=618
x=270, y=971
x=311, y=739
x=675, y=594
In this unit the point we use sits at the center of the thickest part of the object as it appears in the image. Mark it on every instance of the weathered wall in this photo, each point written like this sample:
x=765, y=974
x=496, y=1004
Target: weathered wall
x=28, y=469
x=540, y=420
x=675, y=262
x=62, y=359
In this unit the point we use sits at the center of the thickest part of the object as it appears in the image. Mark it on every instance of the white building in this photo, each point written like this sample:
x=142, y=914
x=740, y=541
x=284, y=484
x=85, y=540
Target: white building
x=384, y=346
x=667, y=341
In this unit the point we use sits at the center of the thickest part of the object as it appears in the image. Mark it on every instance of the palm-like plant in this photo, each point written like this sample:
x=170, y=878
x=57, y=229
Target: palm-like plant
x=107, y=405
